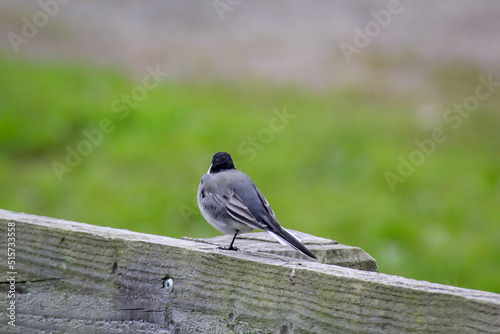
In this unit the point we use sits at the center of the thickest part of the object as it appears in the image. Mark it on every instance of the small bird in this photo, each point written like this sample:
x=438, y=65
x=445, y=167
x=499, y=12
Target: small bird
x=231, y=202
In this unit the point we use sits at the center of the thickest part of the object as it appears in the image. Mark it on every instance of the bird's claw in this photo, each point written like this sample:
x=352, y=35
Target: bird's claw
x=229, y=248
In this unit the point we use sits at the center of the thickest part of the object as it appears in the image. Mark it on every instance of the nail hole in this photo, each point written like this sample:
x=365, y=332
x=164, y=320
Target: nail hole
x=168, y=284
x=113, y=268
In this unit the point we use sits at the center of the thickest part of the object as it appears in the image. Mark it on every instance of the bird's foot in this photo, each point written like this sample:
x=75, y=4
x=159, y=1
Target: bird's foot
x=229, y=248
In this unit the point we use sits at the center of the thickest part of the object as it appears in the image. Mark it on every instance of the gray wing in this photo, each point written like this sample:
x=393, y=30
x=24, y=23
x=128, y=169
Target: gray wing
x=240, y=212
x=236, y=208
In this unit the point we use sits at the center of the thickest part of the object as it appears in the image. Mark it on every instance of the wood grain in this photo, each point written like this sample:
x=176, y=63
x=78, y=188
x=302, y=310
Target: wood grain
x=79, y=278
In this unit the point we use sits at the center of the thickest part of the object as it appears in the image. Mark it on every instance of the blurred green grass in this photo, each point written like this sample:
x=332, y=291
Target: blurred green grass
x=323, y=173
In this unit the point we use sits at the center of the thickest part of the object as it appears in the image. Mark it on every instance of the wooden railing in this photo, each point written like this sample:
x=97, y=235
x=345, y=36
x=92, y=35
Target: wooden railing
x=71, y=277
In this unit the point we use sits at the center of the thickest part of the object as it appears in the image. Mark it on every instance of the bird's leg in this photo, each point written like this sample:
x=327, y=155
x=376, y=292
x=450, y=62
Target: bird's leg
x=232, y=242
x=231, y=245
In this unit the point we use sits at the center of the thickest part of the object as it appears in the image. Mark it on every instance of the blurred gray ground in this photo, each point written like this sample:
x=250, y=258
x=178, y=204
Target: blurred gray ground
x=282, y=42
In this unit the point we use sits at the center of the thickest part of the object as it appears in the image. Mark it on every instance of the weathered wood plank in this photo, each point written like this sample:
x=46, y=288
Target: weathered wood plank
x=80, y=278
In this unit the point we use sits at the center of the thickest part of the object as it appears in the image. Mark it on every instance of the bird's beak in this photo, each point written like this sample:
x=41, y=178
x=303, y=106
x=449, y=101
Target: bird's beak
x=208, y=171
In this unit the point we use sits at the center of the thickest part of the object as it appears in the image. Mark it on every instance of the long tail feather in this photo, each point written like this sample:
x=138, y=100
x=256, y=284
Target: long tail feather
x=288, y=239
